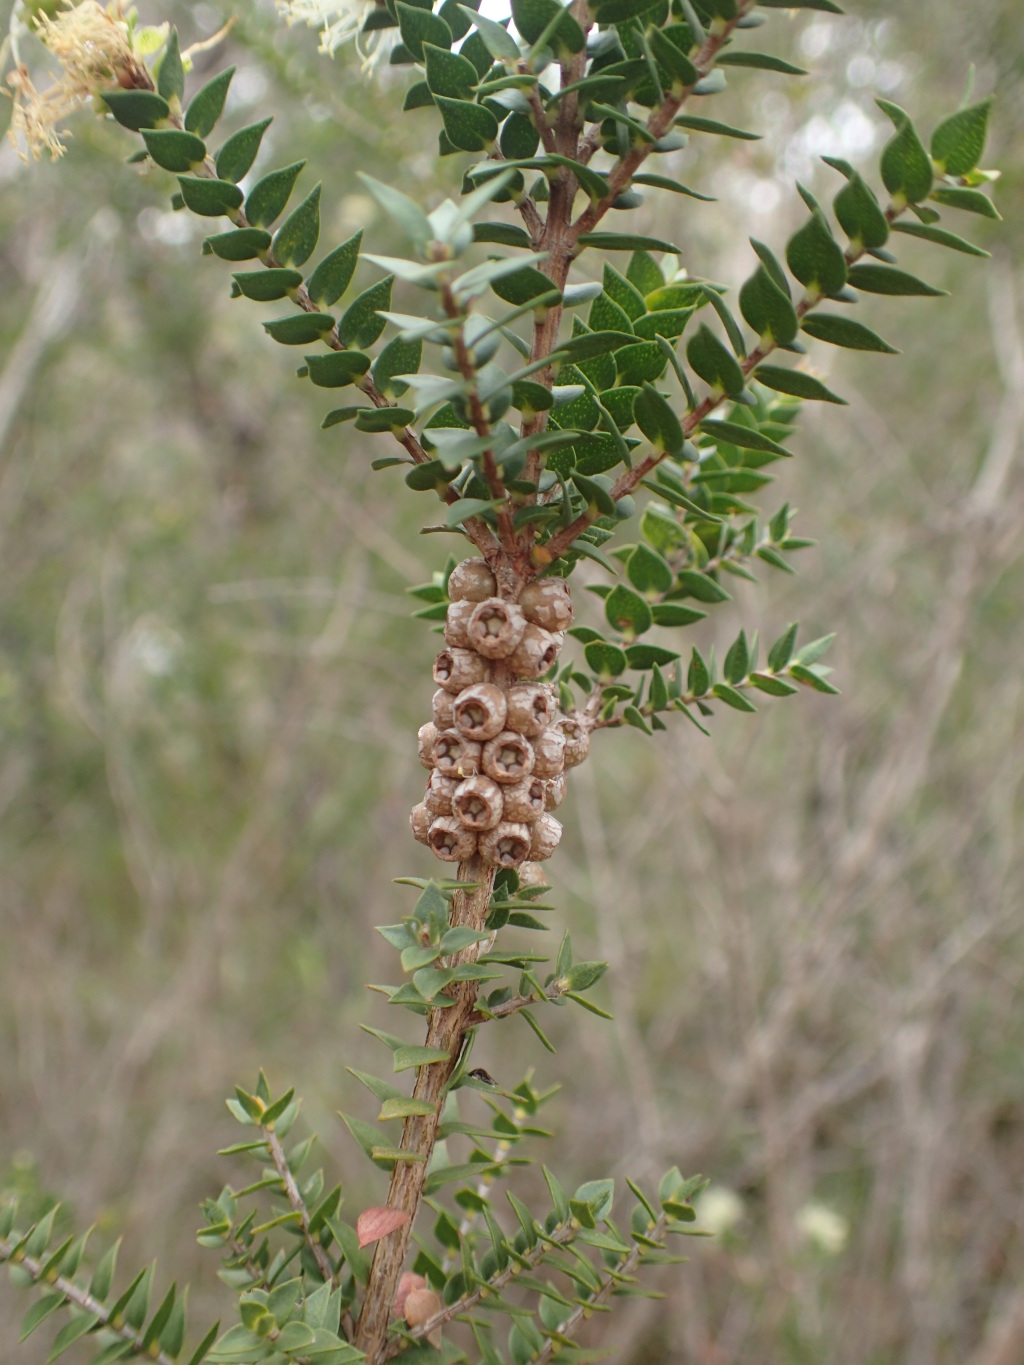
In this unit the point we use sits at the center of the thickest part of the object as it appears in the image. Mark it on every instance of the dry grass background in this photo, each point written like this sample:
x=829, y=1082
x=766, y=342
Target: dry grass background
x=209, y=686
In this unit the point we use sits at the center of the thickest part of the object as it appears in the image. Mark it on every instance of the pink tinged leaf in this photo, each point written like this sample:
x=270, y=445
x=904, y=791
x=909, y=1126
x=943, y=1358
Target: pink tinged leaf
x=373, y=1224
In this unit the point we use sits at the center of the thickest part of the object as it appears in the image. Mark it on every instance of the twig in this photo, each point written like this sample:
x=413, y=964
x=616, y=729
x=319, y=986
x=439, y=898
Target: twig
x=291, y=1189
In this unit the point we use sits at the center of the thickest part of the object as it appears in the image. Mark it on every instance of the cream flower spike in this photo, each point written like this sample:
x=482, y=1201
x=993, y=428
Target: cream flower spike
x=340, y=22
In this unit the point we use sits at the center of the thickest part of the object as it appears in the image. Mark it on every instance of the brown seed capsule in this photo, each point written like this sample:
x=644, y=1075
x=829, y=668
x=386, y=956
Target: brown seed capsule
x=456, y=756
x=478, y=802
x=507, y=757
x=455, y=624
x=495, y=628
x=455, y=669
x=471, y=581
x=425, y=739
x=531, y=708
x=577, y=739
x=532, y=874
x=506, y=845
x=444, y=709
x=480, y=711
x=450, y=840
x=549, y=752
x=525, y=800
x=440, y=790
x=544, y=837
x=554, y=793
x=546, y=602
x=536, y=652
x=420, y=1305
x=419, y=822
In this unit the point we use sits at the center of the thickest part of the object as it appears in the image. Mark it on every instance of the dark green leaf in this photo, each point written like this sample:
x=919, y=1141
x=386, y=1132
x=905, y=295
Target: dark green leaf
x=173, y=150
x=732, y=698
x=332, y=276
x=235, y=158
x=673, y=59
x=649, y=656
x=715, y=364
x=70, y=1333
x=782, y=650
x=448, y=73
x=397, y=357
x=958, y=141
x=360, y=324
x=663, y=182
x=884, y=279
x=49, y=1303
x=767, y=309
x=797, y=383
x=137, y=109
x=860, y=214
x=419, y=26
x=265, y=285
x=207, y=104
x=702, y=587
x=737, y=660
x=591, y=344
x=656, y=419
x=840, y=331
x=297, y=236
x=336, y=369
x=268, y=196
x=738, y=435
x=242, y=245
x=940, y=237
x=709, y=125
x=906, y=167
x=533, y=18
x=606, y=660
x=972, y=201
x=760, y=61
x=624, y=241
x=299, y=330
x=816, y=258
x=627, y=611
x=209, y=198
x=170, y=76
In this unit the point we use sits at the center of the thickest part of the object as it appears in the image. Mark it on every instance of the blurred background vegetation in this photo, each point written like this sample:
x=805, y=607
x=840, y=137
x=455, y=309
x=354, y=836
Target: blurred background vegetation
x=210, y=684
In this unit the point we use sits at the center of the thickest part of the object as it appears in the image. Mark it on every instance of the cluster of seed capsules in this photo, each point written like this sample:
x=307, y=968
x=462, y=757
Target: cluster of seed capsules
x=497, y=747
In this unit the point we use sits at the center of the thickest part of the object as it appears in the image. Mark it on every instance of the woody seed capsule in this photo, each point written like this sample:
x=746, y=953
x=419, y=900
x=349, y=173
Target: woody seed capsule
x=450, y=840
x=546, y=602
x=440, y=790
x=554, y=792
x=506, y=845
x=478, y=802
x=507, y=757
x=549, y=753
x=532, y=874
x=456, y=622
x=425, y=737
x=480, y=711
x=455, y=756
x=577, y=740
x=525, y=800
x=544, y=837
x=471, y=581
x=495, y=628
x=455, y=669
x=443, y=704
x=531, y=708
x=419, y=822
x=536, y=652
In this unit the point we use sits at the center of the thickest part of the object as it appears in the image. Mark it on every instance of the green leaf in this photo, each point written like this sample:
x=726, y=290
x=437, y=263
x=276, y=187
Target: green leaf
x=812, y=678
x=859, y=213
x=268, y=196
x=715, y=364
x=737, y=660
x=449, y=74
x=209, y=198
x=664, y=182
x=774, y=687
x=625, y=241
x=675, y=614
x=767, y=309
x=732, y=698
x=103, y=1275
x=297, y=236
x=470, y=127
x=782, y=650
x=906, y=167
x=299, y=330
x=940, y=237
x=360, y=325
x=825, y=6
x=698, y=678
x=816, y=258
x=760, y=61
x=207, y=105
x=174, y=150
x=840, y=331
x=971, y=201
x=387, y=419
x=797, y=383
x=958, y=141
x=709, y=125
x=649, y=572
x=170, y=76
x=533, y=18
x=606, y=660
x=498, y=41
x=235, y=158
x=627, y=611
x=884, y=279
x=419, y=26
x=137, y=109
x=736, y=434
x=404, y=212
x=39, y=1312
x=334, y=273
x=656, y=419
x=412, y=1055
x=771, y=263
x=702, y=587
x=203, y=1349
x=673, y=59
x=244, y=244
x=336, y=369
x=70, y=1333
x=650, y=656
x=265, y=285
x=397, y=357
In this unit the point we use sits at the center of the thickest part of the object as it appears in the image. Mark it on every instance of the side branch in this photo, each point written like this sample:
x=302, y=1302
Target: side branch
x=295, y=1199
